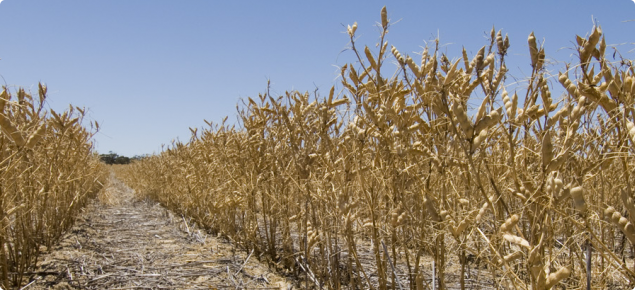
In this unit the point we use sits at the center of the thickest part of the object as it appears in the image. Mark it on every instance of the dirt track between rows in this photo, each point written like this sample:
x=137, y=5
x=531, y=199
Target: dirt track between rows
x=123, y=243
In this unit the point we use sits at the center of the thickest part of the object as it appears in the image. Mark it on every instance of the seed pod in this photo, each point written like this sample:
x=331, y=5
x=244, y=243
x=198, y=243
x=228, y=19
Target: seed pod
x=479, y=59
x=481, y=212
x=622, y=223
x=384, y=18
x=602, y=48
x=482, y=124
x=628, y=84
x=549, y=185
x=414, y=127
x=370, y=58
x=413, y=67
x=511, y=257
x=509, y=224
x=541, y=59
x=558, y=185
x=506, y=42
x=499, y=76
x=10, y=129
x=514, y=107
x=567, y=84
x=597, y=78
x=631, y=130
x=481, y=110
x=557, y=116
x=460, y=228
x=547, y=149
x=449, y=77
x=36, y=137
x=537, y=113
x=594, y=38
x=476, y=143
x=338, y=102
x=489, y=60
x=608, y=213
x=615, y=217
x=488, y=121
x=577, y=194
x=556, y=277
x=510, y=104
x=473, y=85
x=466, y=62
x=517, y=240
x=395, y=52
x=521, y=196
x=545, y=94
x=496, y=116
x=500, y=43
x=533, y=49
x=4, y=98
x=352, y=29
x=466, y=125
x=489, y=76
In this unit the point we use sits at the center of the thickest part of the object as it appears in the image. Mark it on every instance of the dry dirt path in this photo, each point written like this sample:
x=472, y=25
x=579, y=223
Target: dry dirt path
x=121, y=243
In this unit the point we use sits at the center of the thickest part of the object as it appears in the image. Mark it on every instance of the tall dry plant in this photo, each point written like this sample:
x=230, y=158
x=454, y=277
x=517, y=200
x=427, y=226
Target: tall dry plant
x=441, y=161
x=47, y=173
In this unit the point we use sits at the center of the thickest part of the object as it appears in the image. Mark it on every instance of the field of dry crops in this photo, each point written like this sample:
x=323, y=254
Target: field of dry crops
x=442, y=173
x=47, y=173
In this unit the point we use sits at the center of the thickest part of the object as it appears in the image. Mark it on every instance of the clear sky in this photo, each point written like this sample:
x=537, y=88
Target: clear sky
x=149, y=69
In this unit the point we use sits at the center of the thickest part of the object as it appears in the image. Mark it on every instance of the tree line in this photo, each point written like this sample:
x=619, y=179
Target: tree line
x=113, y=158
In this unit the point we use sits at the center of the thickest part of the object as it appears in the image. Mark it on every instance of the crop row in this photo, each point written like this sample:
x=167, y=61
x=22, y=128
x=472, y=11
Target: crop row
x=441, y=159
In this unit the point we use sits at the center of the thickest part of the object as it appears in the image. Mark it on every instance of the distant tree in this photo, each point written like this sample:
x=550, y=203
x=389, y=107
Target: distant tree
x=138, y=157
x=108, y=158
x=122, y=160
x=112, y=158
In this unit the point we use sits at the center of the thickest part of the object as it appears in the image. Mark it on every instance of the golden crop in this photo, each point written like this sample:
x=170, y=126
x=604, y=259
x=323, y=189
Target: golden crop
x=47, y=174
x=437, y=160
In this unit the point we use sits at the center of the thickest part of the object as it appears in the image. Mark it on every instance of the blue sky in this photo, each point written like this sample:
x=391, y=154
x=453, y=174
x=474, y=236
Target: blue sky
x=148, y=70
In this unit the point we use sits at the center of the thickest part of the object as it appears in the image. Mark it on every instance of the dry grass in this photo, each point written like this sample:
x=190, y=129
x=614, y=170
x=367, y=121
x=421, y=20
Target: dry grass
x=47, y=172
x=439, y=160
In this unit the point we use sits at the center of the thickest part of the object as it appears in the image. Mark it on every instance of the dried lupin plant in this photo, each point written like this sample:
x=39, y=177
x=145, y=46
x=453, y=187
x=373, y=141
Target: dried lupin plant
x=48, y=171
x=320, y=182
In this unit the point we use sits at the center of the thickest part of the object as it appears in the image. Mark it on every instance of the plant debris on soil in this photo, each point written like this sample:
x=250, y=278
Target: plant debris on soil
x=119, y=242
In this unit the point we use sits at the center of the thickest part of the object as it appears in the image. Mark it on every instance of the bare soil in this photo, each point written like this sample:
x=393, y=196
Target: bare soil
x=123, y=243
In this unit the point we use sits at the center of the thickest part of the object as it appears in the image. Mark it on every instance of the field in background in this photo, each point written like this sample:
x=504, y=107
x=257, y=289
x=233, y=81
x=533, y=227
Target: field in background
x=355, y=189
x=47, y=173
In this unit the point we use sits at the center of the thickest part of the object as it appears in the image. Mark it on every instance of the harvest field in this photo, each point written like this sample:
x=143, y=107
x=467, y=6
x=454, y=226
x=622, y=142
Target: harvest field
x=445, y=173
